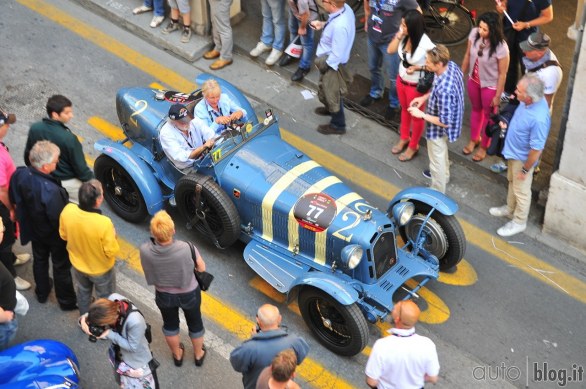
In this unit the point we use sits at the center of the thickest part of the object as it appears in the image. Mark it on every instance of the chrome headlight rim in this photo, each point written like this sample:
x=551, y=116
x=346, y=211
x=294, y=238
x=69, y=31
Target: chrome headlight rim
x=351, y=256
x=403, y=212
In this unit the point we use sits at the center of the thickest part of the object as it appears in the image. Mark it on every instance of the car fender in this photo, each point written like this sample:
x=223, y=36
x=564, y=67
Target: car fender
x=339, y=289
x=234, y=94
x=139, y=170
x=433, y=198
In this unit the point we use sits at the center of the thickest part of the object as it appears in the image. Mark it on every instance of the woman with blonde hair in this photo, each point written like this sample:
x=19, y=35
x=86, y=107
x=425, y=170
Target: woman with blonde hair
x=216, y=109
x=168, y=265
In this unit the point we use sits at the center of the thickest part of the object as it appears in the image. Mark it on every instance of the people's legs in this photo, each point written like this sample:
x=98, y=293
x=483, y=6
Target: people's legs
x=437, y=150
x=417, y=124
x=405, y=115
x=522, y=191
x=375, y=60
x=72, y=187
x=224, y=28
x=168, y=305
x=293, y=25
x=486, y=95
x=338, y=120
x=191, y=305
x=62, y=274
x=159, y=7
x=8, y=332
x=185, y=11
x=279, y=23
x=475, y=111
x=308, y=43
x=84, y=287
x=214, y=7
x=392, y=62
x=105, y=284
x=41, y=253
x=267, y=34
x=511, y=198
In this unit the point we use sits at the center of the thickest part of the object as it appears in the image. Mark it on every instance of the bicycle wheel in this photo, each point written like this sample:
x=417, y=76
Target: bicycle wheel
x=447, y=23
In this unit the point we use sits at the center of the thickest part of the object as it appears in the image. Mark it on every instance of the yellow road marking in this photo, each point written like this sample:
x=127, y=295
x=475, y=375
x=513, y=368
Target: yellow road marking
x=111, y=45
x=465, y=275
x=156, y=85
x=106, y=128
x=275, y=191
x=265, y=288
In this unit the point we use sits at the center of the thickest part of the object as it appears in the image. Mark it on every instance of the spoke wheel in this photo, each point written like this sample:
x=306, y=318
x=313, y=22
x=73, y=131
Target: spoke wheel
x=340, y=328
x=120, y=190
x=219, y=211
x=447, y=23
x=444, y=236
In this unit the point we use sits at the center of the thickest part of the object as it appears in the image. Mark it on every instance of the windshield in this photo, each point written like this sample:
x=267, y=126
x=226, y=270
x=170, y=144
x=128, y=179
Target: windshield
x=231, y=138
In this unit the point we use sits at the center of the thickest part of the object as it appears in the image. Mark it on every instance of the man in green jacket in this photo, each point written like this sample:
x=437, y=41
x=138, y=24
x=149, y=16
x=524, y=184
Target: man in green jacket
x=72, y=169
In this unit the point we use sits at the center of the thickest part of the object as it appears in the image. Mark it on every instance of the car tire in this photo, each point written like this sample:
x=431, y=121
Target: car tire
x=220, y=212
x=120, y=190
x=347, y=333
x=446, y=239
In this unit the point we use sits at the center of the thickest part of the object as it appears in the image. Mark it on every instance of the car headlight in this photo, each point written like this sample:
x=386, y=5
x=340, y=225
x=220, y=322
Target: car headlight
x=403, y=212
x=351, y=255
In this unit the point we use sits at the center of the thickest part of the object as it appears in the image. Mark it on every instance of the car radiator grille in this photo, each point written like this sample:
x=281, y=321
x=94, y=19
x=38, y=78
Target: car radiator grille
x=385, y=253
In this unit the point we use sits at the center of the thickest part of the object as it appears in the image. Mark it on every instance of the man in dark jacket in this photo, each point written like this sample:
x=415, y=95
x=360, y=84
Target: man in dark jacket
x=256, y=353
x=39, y=199
x=72, y=168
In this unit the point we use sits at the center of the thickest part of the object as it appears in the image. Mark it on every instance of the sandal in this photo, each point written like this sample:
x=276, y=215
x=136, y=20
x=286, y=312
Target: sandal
x=470, y=147
x=179, y=362
x=480, y=155
x=409, y=154
x=199, y=362
x=400, y=146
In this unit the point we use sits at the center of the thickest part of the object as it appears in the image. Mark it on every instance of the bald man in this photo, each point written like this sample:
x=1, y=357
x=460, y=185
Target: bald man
x=256, y=353
x=404, y=359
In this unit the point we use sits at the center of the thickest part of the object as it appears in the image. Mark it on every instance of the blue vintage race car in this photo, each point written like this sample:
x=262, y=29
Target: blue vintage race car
x=306, y=232
x=37, y=364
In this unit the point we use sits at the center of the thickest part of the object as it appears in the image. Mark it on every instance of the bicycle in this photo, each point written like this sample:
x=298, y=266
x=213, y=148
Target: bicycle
x=447, y=22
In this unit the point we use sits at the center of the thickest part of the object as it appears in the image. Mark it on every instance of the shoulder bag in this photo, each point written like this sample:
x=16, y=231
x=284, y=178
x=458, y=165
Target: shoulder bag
x=204, y=279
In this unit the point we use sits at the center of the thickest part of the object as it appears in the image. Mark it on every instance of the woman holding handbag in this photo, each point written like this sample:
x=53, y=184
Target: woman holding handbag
x=412, y=44
x=168, y=264
x=486, y=61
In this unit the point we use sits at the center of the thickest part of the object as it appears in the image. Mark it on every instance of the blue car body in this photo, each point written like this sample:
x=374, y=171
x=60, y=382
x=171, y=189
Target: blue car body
x=295, y=216
x=39, y=364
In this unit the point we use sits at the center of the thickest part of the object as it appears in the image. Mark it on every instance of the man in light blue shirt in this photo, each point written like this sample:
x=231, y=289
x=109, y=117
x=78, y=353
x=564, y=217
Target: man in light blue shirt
x=333, y=52
x=216, y=109
x=526, y=137
x=184, y=140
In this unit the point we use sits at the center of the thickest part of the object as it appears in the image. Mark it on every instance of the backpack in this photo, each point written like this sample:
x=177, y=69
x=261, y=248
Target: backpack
x=125, y=312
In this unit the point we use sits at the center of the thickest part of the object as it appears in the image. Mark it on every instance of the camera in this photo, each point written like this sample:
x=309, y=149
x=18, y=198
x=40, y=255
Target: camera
x=96, y=332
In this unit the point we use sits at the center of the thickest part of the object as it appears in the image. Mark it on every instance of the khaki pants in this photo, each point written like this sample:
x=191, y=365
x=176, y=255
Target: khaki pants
x=72, y=187
x=519, y=195
x=439, y=163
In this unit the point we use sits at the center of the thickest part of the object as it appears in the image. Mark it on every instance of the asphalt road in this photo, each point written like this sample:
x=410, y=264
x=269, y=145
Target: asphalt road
x=508, y=306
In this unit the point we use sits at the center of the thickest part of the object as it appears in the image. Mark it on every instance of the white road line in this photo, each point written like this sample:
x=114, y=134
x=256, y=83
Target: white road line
x=146, y=298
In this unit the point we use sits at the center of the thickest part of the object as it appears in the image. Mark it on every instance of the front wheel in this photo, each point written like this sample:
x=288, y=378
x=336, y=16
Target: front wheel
x=120, y=190
x=340, y=328
x=447, y=23
x=444, y=236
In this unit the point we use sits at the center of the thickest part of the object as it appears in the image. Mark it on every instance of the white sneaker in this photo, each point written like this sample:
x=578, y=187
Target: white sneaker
x=21, y=259
x=500, y=211
x=274, y=56
x=259, y=49
x=511, y=228
x=21, y=284
x=156, y=21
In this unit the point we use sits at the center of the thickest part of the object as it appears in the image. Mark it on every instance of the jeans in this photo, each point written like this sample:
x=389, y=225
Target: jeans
x=439, y=164
x=274, y=25
x=158, y=5
x=519, y=194
x=61, y=271
x=480, y=99
x=307, y=41
x=8, y=332
x=190, y=303
x=377, y=59
x=104, y=284
x=338, y=120
x=221, y=27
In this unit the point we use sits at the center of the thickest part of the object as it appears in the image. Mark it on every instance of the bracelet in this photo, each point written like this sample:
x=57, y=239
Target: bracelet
x=524, y=171
x=527, y=26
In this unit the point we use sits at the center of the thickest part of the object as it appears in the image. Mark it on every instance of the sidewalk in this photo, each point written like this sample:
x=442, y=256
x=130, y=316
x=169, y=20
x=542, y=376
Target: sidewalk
x=471, y=178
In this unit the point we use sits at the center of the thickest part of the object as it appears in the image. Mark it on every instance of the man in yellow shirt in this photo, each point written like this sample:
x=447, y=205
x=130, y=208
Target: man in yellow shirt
x=91, y=243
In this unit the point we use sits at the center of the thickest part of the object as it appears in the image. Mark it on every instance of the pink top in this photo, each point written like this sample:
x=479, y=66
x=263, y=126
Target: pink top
x=6, y=166
x=488, y=68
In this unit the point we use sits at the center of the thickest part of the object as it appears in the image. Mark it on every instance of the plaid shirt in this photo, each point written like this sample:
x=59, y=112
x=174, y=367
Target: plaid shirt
x=447, y=102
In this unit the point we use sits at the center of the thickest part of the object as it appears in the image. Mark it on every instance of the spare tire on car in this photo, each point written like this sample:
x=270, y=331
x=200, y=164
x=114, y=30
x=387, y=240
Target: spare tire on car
x=215, y=206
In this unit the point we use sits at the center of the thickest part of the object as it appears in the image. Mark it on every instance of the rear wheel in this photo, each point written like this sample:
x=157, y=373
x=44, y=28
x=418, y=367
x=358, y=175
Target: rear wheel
x=120, y=190
x=447, y=23
x=444, y=236
x=217, y=208
x=340, y=328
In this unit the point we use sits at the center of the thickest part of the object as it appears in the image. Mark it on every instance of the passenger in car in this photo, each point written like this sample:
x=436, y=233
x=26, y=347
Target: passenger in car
x=183, y=139
x=216, y=109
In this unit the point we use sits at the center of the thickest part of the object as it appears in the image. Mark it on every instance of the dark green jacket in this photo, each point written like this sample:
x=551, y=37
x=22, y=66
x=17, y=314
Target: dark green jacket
x=71, y=160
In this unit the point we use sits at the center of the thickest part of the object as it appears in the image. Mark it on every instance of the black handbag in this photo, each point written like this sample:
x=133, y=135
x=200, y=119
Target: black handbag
x=204, y=279
x=425, y=81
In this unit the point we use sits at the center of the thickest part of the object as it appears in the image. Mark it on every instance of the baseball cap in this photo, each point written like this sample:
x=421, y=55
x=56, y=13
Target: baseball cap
x=178, y=112
x=9, y=118
x=536, y=41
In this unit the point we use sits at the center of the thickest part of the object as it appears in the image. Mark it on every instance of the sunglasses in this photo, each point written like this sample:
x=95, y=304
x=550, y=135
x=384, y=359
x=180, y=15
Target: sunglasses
x=481, y=49
x=406, y=64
